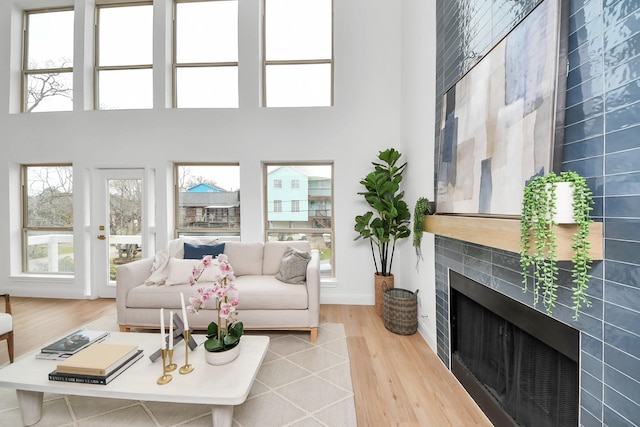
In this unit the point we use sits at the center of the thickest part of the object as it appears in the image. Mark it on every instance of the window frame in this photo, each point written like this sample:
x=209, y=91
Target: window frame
x=266, y=63
x=96, y=40
x=191, y=231
x=25, y=228
x=25, y=56
x=174, y=61
x=308, y=230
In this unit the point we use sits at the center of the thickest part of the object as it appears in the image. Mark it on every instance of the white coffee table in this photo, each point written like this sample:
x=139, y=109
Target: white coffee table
x=222, y=387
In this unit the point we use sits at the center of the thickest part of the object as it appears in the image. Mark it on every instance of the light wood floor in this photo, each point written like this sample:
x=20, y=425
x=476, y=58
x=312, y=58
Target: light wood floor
x=397, y=380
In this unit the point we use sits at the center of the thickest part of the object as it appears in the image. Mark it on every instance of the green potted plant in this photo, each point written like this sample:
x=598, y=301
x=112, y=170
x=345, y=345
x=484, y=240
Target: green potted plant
x=388, y=221
x=422, y=208
x=538, y=241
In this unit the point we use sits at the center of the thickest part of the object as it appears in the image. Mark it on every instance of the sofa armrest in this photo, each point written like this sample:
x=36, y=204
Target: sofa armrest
x=128, y=276
x=313, y=287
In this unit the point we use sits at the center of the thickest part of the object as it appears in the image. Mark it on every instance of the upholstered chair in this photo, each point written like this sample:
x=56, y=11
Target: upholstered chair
x=6, y=326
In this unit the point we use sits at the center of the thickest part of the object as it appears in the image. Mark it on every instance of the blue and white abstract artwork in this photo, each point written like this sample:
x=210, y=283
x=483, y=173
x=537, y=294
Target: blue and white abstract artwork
x=501, y=121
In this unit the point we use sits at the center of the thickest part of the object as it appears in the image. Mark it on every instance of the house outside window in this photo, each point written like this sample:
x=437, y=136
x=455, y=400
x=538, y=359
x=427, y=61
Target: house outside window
x=298, y=53
x=207, y=200
x=47, y=219
x=124, y=56
x=206, y=54
x=303, y=213
x=47, y=69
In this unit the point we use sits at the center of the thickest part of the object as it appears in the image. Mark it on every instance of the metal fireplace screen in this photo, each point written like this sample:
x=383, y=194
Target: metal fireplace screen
x=533, y=383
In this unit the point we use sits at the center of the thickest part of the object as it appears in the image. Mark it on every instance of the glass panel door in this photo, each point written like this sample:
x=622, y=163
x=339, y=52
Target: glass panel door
x=120, y=225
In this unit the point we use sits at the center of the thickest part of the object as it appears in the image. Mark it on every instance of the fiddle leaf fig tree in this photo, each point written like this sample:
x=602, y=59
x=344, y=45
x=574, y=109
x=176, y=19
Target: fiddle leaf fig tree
x=536, y=225
x=389, y=220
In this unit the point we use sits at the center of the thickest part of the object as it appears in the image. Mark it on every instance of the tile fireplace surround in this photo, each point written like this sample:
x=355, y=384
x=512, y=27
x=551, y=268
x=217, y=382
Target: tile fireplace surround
x=601, y=144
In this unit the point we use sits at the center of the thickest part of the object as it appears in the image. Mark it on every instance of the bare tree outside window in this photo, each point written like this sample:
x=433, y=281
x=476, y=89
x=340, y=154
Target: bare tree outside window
x=125, y=196
x=48, y=61
x=48, y=90
x=48, y=219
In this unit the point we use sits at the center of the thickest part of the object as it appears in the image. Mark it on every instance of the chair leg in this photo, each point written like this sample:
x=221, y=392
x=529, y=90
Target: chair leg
x=10, y=346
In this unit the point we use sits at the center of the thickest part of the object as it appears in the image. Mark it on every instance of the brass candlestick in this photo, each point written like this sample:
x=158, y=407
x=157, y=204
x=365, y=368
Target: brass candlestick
x=187, y=367
x=171, y=366
x=165, y=378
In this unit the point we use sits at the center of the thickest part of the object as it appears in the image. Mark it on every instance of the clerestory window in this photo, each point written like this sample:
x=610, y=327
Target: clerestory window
x=47, y=69
x=298, y=53
x=206, y=54
x=124, y=56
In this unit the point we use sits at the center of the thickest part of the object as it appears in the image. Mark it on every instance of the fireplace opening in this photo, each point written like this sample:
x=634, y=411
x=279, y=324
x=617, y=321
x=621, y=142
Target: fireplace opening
x=518, y=364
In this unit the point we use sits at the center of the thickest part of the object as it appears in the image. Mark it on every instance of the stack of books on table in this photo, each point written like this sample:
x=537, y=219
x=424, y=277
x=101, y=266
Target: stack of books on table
x=97, y=364
x=71, y=344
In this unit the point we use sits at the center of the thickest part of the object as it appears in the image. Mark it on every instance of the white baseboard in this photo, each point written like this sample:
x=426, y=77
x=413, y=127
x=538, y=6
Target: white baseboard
x=339, y=299
x=428, y=337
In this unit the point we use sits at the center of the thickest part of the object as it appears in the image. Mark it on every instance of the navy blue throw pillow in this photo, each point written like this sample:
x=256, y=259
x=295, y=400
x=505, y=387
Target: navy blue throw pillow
x=199, y=251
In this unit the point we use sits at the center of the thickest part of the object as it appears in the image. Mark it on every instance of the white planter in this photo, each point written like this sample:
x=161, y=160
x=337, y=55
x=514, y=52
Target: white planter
x=564, y=203
x=222, y=357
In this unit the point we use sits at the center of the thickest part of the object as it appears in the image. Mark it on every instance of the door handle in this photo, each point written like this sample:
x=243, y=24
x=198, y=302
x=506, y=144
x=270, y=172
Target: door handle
x=101, y=237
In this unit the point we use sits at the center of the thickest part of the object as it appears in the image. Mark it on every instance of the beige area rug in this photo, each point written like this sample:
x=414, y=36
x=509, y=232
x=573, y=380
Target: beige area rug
x=299, y=384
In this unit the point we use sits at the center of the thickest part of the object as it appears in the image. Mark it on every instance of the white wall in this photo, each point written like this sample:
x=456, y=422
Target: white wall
x=418, y=113
x=369, y=115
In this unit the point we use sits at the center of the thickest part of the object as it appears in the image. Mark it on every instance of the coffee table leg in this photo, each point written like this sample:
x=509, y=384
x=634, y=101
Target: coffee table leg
x=222, y=415
x=30, y=406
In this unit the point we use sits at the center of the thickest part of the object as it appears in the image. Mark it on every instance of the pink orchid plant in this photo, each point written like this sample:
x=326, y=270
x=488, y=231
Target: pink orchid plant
x=226, y=333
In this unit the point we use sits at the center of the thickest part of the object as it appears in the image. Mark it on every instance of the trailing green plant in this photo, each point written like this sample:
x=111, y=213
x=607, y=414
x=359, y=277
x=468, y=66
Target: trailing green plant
x=537, y=222
x=390, y=221
x=422, y=208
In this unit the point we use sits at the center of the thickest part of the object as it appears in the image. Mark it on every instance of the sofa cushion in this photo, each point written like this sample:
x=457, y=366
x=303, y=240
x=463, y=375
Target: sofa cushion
x=154, y=296
x=273, y=252
x=193, y=251
x=179, y=271
x=245, y=257
x=293, y=266
x=255, y=292
x=268, y=293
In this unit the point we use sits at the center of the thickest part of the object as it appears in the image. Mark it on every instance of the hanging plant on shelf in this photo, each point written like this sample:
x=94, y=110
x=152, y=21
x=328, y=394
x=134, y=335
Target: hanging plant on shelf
x=537, y=223
x=422, y=208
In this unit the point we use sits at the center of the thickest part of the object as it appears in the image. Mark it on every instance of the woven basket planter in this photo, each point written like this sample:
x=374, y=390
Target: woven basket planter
x=400, y=311
x=381, y=283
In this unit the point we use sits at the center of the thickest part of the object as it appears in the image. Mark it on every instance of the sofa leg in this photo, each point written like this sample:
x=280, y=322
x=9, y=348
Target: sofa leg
x=124, y=328
x=314, y=334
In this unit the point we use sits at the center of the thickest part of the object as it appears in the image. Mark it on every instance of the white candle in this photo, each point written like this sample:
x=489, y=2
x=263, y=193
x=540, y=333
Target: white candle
x=184, y=313
x=162, y=328
x=171, y=330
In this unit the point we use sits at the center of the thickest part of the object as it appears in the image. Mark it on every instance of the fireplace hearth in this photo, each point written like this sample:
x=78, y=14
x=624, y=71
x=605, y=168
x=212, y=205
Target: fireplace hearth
x=519, y=365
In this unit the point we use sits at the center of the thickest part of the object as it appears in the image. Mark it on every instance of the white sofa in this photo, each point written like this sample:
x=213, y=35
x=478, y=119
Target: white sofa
x=266, y=303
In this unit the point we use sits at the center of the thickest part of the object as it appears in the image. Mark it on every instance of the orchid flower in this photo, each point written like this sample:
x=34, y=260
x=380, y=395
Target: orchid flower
x=224, y=291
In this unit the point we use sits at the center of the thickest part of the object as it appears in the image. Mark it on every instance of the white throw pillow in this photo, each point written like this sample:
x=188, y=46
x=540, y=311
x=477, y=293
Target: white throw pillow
x=180, y=270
